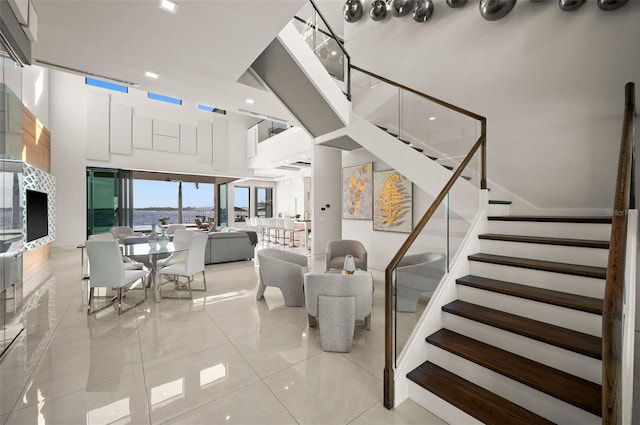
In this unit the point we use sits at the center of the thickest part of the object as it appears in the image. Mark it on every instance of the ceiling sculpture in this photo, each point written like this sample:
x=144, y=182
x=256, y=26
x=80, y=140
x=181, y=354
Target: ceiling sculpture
x=421, y=10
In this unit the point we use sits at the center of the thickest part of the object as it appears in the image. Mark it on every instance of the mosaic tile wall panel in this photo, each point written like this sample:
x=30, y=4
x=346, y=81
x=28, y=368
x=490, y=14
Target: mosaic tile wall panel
x=36, y=179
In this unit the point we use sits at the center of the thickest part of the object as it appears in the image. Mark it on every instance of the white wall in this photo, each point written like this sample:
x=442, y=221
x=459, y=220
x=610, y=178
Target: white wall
x=290, y=195
x=381, y=245
x=68, y=123
x=35, y=92
x=551, y=84
x=68, y=115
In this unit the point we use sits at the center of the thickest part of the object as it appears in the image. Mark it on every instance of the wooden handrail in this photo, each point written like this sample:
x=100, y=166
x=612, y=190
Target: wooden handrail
x=612, y=314
x=416, y=92
x=388, y=355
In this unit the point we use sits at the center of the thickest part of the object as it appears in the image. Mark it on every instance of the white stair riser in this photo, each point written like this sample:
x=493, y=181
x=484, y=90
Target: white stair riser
x=565, y=317
x=587, y=286
x=600, y=232
x=550, y=355
x=534, y=251
x=497, y=209
x=442, y=409
x=533, y=400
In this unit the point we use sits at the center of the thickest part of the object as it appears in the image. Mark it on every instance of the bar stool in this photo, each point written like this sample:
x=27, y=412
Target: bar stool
x=290, y=227
x=261, y=226
x=280, y=229
x=272, y=226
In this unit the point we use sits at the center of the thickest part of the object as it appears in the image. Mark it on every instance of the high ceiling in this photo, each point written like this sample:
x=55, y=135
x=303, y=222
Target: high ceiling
x=198, y=52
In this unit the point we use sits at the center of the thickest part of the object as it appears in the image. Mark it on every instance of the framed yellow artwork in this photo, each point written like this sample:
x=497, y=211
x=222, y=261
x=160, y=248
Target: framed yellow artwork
x=357, y=192
x=392, y=202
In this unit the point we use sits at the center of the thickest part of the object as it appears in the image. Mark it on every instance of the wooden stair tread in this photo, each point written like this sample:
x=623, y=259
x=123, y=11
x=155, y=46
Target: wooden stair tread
x=498, y=202
x=417, y=148
x=476, y=401
x=551, y=219
x=550, y=266
x=577, y=342
x=432, y=157
x=585, y=243
x=562, y=299
x=571, y=389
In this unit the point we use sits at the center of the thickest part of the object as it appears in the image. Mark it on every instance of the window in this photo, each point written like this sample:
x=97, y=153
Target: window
x=163, y=98
x=222, y=205
x=106, y=85
x=241, y=203
x=177, y=201
x=264, y=203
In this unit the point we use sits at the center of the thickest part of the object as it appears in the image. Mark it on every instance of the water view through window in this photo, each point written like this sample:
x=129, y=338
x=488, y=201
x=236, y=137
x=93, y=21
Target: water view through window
x=154, y=200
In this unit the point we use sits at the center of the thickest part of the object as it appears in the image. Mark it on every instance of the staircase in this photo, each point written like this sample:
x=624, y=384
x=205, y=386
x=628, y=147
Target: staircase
x=522, y=343
x=289, y=69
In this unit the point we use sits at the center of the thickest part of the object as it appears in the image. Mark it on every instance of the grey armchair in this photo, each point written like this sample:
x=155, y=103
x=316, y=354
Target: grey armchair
x=284, y=270
x=416, y=274
x=337, y=250
x=337, y=301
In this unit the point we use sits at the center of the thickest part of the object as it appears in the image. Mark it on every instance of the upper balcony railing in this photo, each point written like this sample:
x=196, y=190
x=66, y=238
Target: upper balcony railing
x=269, y=128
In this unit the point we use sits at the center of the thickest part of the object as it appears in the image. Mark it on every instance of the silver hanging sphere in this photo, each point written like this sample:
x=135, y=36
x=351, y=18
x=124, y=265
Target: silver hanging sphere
x=570, y=5
x=422, y=10
x=610, y=4
x=378, y=10
x=456, y=3
x=401, y=7
x=352, y=10
x=492, y=10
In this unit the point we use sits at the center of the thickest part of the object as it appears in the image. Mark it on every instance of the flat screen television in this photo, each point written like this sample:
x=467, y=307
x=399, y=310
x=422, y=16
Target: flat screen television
x=37, y=215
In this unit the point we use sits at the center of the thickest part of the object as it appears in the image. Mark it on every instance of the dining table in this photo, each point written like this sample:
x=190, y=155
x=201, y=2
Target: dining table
x=153, y=251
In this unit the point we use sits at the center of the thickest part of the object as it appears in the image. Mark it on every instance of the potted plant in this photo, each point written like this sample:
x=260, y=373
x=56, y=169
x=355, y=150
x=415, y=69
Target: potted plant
x=164, y=221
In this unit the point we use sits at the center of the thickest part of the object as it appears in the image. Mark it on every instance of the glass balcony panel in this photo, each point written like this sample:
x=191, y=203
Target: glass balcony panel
x=419, y=272
x=268, y=129
x=320, y=40
x=438, y=132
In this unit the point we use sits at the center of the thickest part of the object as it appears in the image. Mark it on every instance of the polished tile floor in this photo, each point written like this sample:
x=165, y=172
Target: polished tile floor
x=222, y=357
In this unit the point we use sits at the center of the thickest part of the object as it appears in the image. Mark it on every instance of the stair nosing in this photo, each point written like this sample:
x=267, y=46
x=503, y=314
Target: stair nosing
x=517, y=368
x=583, y=243
x=483, y=412
x=591, y=346
x=499, y=202
x=542, y=265
x=548, y=296
x=552, y=219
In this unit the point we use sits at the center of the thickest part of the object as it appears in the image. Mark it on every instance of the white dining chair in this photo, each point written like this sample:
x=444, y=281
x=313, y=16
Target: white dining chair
x=193, y=264
x=181, y=238
x=108, y=271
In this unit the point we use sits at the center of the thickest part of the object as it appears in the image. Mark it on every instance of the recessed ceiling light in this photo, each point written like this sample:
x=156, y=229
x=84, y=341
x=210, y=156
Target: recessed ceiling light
x=249, y=101
x=432, y=118
x=169, y=6
x=151, y=75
